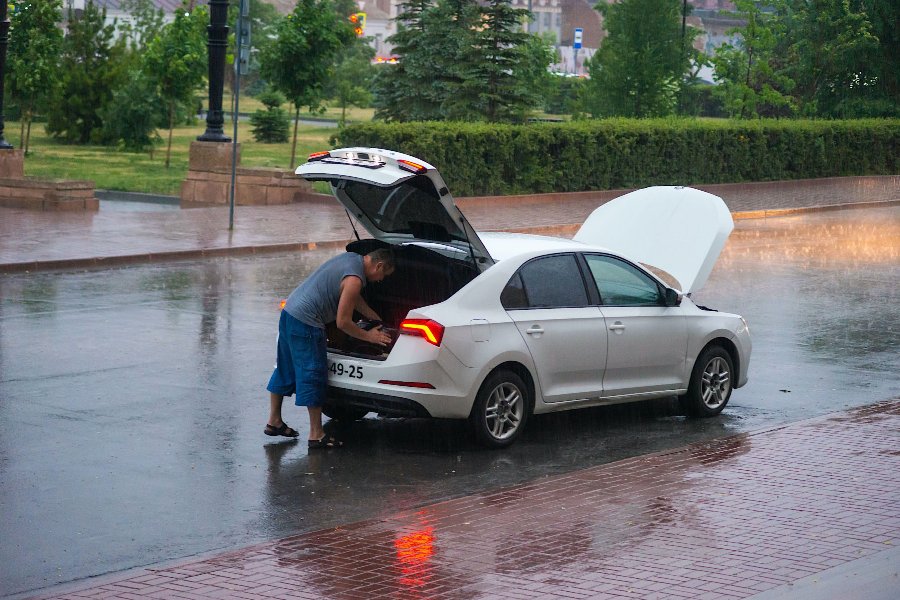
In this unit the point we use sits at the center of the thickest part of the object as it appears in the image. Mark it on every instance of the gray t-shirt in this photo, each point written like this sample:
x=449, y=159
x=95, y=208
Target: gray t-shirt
x=315, y=301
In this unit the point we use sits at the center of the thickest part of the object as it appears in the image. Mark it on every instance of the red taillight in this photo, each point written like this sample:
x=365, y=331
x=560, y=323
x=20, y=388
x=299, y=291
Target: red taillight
x=318, y=155
x=412, y=167
x=432, y=331
x=413, y=384
x=282, y=304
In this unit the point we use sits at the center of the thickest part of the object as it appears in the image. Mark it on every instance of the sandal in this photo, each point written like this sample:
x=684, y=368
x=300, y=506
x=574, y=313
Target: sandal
x=282, y=429
x=327, y=441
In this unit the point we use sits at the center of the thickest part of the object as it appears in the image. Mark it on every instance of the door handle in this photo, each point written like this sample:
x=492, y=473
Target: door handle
x=534, y=330
x=617, y=326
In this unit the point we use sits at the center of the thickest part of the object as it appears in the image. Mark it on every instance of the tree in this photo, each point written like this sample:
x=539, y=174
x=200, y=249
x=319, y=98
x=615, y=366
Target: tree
x=639, y=69
x=270, y=126
x=532, y=71
x=130, y=120
x=352, y=80
x=832, y=54
x=300, y=59
x=91, y=67
x=405, y=91
x=147, y=20
x=489, y=87
x=751, y=83
x=176, y=62
x=34, y=46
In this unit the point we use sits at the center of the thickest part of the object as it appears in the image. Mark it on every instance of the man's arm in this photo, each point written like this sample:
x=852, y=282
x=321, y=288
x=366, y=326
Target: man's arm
x=351, y=288
x=363, y=308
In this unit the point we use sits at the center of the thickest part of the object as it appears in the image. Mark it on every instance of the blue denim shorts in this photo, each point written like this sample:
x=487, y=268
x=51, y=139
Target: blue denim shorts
x=302, y=364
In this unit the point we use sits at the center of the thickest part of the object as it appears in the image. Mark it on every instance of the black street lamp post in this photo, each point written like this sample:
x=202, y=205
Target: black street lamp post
x=218, y=40
x=4, y=42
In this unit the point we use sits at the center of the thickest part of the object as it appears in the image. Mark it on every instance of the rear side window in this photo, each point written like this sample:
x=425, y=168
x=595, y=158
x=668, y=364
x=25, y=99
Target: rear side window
x=548, y=282
x=410, y=207
x=620, y=283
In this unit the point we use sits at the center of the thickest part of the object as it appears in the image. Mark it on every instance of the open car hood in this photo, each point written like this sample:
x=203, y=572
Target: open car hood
x=677, y=229
x=397, y=198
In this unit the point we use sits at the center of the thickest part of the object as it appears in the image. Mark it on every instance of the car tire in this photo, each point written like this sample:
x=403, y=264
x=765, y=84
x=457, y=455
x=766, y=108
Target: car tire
x=711, y=383
x=344, y=414
x=501, y=409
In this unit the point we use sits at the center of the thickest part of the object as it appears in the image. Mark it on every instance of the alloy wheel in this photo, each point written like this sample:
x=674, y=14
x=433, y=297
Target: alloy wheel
x=715, y=383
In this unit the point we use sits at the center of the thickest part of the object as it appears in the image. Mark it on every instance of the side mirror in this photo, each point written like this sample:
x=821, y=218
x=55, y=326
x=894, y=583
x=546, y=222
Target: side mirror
x=673, y=298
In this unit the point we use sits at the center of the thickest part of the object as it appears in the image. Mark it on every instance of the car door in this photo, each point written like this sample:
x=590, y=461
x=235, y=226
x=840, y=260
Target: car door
x=647, y=340
x=565, y=334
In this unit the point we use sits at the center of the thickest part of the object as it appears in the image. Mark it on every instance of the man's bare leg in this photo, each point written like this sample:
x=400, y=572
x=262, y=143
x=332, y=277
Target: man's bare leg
x=316, y=432
x=275, y=401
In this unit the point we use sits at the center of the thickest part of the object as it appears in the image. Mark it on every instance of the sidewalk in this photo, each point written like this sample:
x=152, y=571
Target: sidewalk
x=31, y=240
x=808, y=510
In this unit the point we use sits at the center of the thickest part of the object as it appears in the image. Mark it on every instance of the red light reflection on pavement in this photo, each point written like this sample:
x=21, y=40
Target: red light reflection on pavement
x=414, y=552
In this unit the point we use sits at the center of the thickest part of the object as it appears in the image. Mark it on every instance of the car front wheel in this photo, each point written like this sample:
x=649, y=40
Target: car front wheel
x=501, y=409
x=711, y=383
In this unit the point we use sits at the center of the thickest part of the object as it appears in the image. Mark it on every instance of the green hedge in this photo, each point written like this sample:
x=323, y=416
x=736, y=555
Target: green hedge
x=480, y=159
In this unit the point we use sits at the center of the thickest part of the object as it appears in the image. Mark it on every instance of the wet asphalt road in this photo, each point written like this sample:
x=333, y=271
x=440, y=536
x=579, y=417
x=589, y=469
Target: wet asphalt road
x=132, y=401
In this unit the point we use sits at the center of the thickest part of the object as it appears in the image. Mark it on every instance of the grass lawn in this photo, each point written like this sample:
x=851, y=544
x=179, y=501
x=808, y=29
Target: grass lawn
x=111, y=169
x=249, y=104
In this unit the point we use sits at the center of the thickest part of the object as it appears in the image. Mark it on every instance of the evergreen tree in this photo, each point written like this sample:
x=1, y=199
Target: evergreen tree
x=34, y=45
x=489, y=87
x=403, y=91
x=639, y=69
x=270, y=126
x=92, y=66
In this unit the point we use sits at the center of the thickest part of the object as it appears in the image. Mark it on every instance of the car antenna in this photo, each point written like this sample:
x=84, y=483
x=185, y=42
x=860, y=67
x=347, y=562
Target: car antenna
x=356, y=233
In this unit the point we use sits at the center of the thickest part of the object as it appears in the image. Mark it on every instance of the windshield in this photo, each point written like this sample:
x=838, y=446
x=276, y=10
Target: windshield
x=411, y=207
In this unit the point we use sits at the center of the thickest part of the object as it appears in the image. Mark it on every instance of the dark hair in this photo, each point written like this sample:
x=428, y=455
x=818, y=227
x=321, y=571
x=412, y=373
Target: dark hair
x=384, y=255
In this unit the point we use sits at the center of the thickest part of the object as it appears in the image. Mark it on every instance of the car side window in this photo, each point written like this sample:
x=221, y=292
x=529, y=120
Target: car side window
x=547, y=282
x=513, y=295
x=620, y=283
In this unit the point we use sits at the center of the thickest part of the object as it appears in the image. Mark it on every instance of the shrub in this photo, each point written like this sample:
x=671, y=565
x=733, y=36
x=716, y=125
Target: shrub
x=271, y=125
x=484, y=159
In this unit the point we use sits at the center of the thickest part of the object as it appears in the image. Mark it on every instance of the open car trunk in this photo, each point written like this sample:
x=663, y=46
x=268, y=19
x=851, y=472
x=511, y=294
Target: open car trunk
x=422, y=277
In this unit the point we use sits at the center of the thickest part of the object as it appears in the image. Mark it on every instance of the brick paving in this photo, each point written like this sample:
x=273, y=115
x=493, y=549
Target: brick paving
x=731, y=518
x=33, y=240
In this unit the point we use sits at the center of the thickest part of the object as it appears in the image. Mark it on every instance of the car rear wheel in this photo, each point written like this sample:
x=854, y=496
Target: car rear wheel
x=711, y=383
x=344, y=414
x=501, y=409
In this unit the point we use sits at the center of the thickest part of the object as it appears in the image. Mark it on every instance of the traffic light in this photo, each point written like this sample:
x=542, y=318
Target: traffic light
x=358, y=20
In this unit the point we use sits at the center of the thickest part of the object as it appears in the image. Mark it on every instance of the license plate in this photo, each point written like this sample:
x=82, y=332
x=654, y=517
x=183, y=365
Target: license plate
x=346, y=369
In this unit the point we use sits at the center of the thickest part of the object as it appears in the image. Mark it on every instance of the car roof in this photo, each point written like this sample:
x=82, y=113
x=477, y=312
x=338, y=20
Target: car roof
x=504, y=245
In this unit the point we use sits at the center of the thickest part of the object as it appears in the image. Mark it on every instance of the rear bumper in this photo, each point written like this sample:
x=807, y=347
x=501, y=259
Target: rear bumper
x=390, y=406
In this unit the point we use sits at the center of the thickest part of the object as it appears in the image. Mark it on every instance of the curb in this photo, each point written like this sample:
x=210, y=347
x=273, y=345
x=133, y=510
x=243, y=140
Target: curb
x=176, y=255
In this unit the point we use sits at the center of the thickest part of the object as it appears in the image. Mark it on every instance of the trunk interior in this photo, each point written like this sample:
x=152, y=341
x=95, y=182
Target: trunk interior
x=422, y=277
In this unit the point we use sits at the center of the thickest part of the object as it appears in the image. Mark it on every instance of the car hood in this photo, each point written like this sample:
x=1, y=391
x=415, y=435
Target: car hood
x=677, y=229
x=397, y=198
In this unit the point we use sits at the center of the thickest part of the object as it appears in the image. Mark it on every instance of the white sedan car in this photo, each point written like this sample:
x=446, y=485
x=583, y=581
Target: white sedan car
x=495, y=327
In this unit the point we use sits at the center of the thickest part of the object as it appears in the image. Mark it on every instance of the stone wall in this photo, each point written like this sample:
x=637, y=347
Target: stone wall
x=208, y=181
x=18, y=191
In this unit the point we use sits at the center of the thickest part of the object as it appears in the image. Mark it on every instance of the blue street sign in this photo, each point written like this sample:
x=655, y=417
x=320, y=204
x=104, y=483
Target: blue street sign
x=578, y=32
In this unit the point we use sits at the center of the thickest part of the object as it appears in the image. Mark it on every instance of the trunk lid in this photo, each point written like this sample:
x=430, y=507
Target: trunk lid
x=397, y=198
x=680, y=230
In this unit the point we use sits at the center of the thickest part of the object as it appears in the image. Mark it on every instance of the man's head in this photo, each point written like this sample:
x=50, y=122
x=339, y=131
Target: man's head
x=379, y=264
